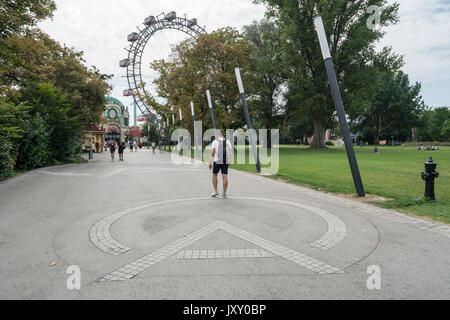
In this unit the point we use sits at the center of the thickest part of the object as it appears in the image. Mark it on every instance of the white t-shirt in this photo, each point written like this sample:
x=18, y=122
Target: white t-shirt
x=216, y=146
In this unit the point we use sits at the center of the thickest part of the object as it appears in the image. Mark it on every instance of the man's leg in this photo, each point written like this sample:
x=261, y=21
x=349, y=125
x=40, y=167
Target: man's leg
x=225, y=183
x=215, y=182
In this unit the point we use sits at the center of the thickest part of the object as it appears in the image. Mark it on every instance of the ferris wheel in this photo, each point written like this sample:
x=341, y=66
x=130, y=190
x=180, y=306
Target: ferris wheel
x=138, y=42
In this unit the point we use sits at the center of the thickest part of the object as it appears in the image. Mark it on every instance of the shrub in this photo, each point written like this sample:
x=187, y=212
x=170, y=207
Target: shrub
x=6, y=159
x=33, y=151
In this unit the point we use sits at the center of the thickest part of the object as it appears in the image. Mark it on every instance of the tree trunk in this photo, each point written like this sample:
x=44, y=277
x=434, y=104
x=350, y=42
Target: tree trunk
x=376, y=138
x=319, y=135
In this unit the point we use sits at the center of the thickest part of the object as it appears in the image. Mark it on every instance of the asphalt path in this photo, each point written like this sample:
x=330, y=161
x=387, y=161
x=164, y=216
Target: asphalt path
x=147, y=228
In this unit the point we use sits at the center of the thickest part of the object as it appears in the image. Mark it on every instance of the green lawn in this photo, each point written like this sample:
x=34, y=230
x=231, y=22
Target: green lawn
x=394, y=174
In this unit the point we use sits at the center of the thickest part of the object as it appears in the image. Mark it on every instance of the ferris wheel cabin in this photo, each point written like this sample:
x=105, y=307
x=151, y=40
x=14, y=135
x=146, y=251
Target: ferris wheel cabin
x=192, y=22
x=150, y=20
x=171, y=16
x=124, y=63
x=133, y=37
x=128, y=93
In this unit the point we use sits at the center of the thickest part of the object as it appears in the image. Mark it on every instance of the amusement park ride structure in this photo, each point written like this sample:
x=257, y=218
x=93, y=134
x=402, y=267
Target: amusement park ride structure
x=138, y=43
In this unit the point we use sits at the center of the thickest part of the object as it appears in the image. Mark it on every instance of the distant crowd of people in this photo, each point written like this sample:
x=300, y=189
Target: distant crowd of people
x=133, y=146
x=428, y=148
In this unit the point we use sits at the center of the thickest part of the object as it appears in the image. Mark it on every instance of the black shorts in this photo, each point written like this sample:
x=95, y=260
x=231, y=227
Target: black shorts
x=220, y=167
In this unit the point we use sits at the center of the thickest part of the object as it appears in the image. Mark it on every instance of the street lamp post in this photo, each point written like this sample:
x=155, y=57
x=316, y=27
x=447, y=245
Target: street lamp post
x=168, y=135
x=337, y=98
x=181, y=118
x=195, y=131
x=211, y=109
x=135, y=114
x=248, y=120
x=165, y=134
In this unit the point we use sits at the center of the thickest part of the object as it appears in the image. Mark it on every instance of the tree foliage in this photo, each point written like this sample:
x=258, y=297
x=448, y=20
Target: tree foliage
x=16, y=16
x=47, y=93
x=394, y=111
x=434, y=125
x=268, y=74
x=352, y=45
x=196, y=65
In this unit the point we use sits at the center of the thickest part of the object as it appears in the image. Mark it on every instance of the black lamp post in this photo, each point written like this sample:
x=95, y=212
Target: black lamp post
x=211, y=109
x=168, y=135
x=248, y=120
x=337, y=98
x=195, y=130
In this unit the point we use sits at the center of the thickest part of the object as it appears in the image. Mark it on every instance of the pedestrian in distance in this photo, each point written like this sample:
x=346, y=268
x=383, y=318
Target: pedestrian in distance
x=154, y=147
x=376, y=151
x=112, y=149
x=220, y=160
x=121, y=149
x=131, y=145
x=161, y=146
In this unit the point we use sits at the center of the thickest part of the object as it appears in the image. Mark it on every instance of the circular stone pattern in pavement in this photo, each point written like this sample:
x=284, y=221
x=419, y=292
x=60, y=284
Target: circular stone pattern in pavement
x=158, y=237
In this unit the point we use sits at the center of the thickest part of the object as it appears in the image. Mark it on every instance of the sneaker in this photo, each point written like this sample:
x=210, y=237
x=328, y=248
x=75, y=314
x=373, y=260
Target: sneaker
x=224, y=197
x=215, y=194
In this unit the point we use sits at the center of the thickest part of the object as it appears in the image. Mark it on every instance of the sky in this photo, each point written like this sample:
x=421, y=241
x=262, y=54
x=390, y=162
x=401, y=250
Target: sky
x=99, y=28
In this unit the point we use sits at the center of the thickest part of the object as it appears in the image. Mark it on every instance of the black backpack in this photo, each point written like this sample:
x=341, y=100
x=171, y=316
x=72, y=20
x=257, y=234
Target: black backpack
x=222, y=152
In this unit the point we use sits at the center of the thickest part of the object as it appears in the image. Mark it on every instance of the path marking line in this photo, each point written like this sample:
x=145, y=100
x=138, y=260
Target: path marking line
x=135, y=268
x=113, y=173
x=66, y=174
x=222, y=254
x=100, y=234
x=337, y=229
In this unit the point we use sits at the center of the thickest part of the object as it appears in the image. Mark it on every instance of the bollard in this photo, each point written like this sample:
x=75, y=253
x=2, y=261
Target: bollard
x=91, y=154
x=429, y=175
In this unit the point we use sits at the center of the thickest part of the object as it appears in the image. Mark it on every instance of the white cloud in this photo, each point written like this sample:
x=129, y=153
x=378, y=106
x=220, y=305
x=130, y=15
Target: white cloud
x=423, y=37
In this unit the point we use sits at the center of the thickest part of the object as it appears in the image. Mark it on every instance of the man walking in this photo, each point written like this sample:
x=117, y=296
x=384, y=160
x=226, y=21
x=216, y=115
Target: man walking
x=131, y=145
x=221, y=153
x=121, y=149
x=112, y=149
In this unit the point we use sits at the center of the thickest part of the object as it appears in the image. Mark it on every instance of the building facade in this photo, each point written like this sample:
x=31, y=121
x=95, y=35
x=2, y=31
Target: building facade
x=114, y=125
x=116, y=119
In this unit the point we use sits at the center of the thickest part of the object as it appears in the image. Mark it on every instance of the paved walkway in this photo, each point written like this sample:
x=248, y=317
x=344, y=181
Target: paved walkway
x=147, y=229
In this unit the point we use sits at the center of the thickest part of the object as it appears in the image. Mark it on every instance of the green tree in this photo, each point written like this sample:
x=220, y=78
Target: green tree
x=268, y=74
x=395, y=110
x=6, y=158
x=35, y=57
x=152, y=133
x=64, y=130
x=445, y=132
x=33, y=151
x=433, y=125
x=18, y=16
x=207, y=62
x=352, y=45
